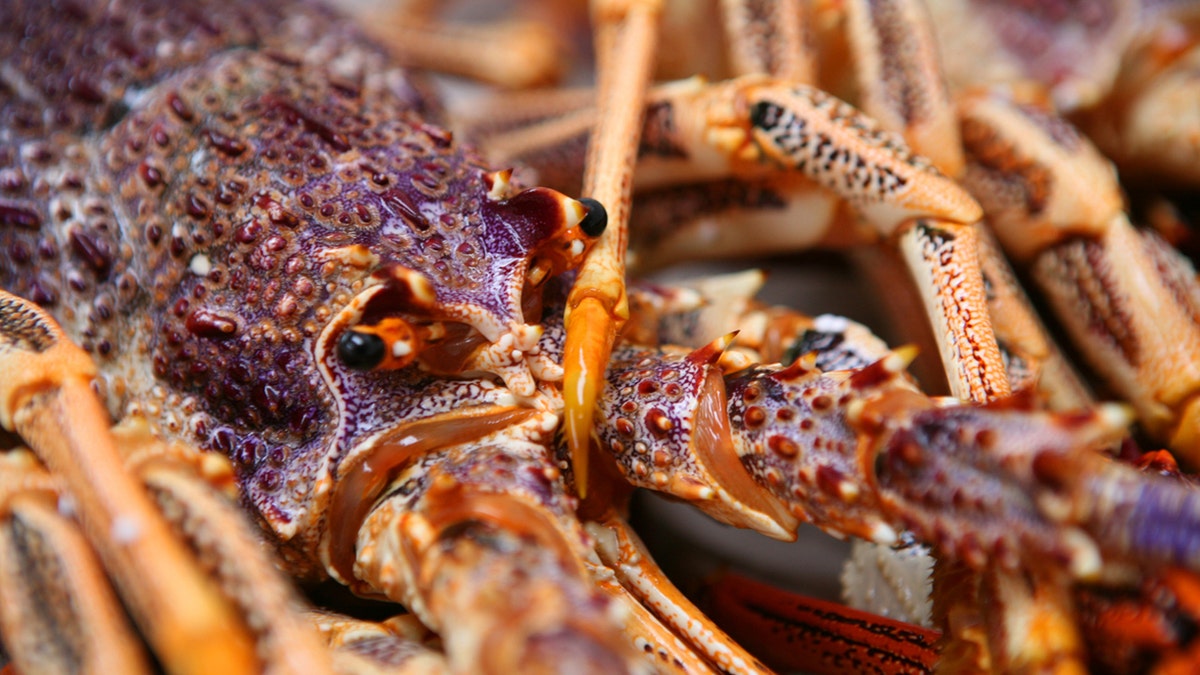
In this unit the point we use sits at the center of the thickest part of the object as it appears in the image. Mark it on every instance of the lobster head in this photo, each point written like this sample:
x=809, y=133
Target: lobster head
x=321, y=267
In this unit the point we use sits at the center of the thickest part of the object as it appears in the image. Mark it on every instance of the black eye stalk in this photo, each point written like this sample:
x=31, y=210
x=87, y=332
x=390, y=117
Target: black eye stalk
x=596, y=220
x=361, y=351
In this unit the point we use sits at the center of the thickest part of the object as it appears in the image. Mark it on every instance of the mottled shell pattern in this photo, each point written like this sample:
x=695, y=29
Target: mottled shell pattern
x=207, y=196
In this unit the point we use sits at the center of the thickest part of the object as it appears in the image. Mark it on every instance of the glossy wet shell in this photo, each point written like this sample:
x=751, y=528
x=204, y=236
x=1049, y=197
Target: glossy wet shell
x=195, y=193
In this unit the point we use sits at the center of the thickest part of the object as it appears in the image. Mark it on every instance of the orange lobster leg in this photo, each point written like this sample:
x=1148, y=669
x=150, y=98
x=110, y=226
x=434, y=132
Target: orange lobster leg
x=48, y=400
x=41, y=547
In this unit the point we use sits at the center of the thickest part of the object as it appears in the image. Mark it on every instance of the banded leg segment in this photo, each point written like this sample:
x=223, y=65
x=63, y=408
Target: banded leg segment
x=900, y=77
x=769, y=38
x=59, y=612
x=1128, y=301
x=193, y=492
x=1031, y=358
x=1138, y=330
x=943, y=259
x=481, y=539
x=48, y=401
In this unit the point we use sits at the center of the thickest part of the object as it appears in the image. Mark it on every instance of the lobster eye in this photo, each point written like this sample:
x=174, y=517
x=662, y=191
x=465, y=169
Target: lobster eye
x=360, y=351
x=596, y=220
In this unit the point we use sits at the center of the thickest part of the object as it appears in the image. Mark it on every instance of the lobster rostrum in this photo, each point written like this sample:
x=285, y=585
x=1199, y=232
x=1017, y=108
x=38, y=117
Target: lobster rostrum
x=280, y=272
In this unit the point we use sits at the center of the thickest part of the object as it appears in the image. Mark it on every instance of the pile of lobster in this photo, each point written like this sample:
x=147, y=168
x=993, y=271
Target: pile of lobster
x=336, y=343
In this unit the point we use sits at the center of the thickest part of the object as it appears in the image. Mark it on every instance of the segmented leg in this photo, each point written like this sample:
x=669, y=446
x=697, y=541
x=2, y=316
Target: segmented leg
x=47, y=399
x=1032, y=359
x=624, y=554
x=1147, y=124
x=901, y=83
x=899, y=76
x=195, y=493
x=755, y=129
x=481, y=543
x=188, y=490
x=1073, y=50
x=769, y=38
x=54, y=585
x=1125, y=298
x=517, y=53
x=1143, y=629
x=391, y=647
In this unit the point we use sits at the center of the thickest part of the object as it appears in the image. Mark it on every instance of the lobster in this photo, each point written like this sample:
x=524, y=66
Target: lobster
x=247, y=234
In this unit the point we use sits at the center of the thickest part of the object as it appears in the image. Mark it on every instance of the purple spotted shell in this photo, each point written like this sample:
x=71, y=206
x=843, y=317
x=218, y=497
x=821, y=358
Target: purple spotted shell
x=182, y=187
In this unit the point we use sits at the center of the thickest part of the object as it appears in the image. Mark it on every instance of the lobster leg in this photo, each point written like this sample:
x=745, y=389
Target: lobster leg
x=836, y=639
x=44, y=557
x=623, y=553
x=901, y=83
x=754, y=127
x=47, y=400
x=943, y=259
x=1032, y=359
x=391, y=647
x=516, y=53
x=1126, y=299
x=194, y=493
x=769, y=38
x=647, y=630
x=1017, y=628
x=780, y=139
x=899, y=78
x=1147, y=124
x=481, y=539
x=191, y=492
